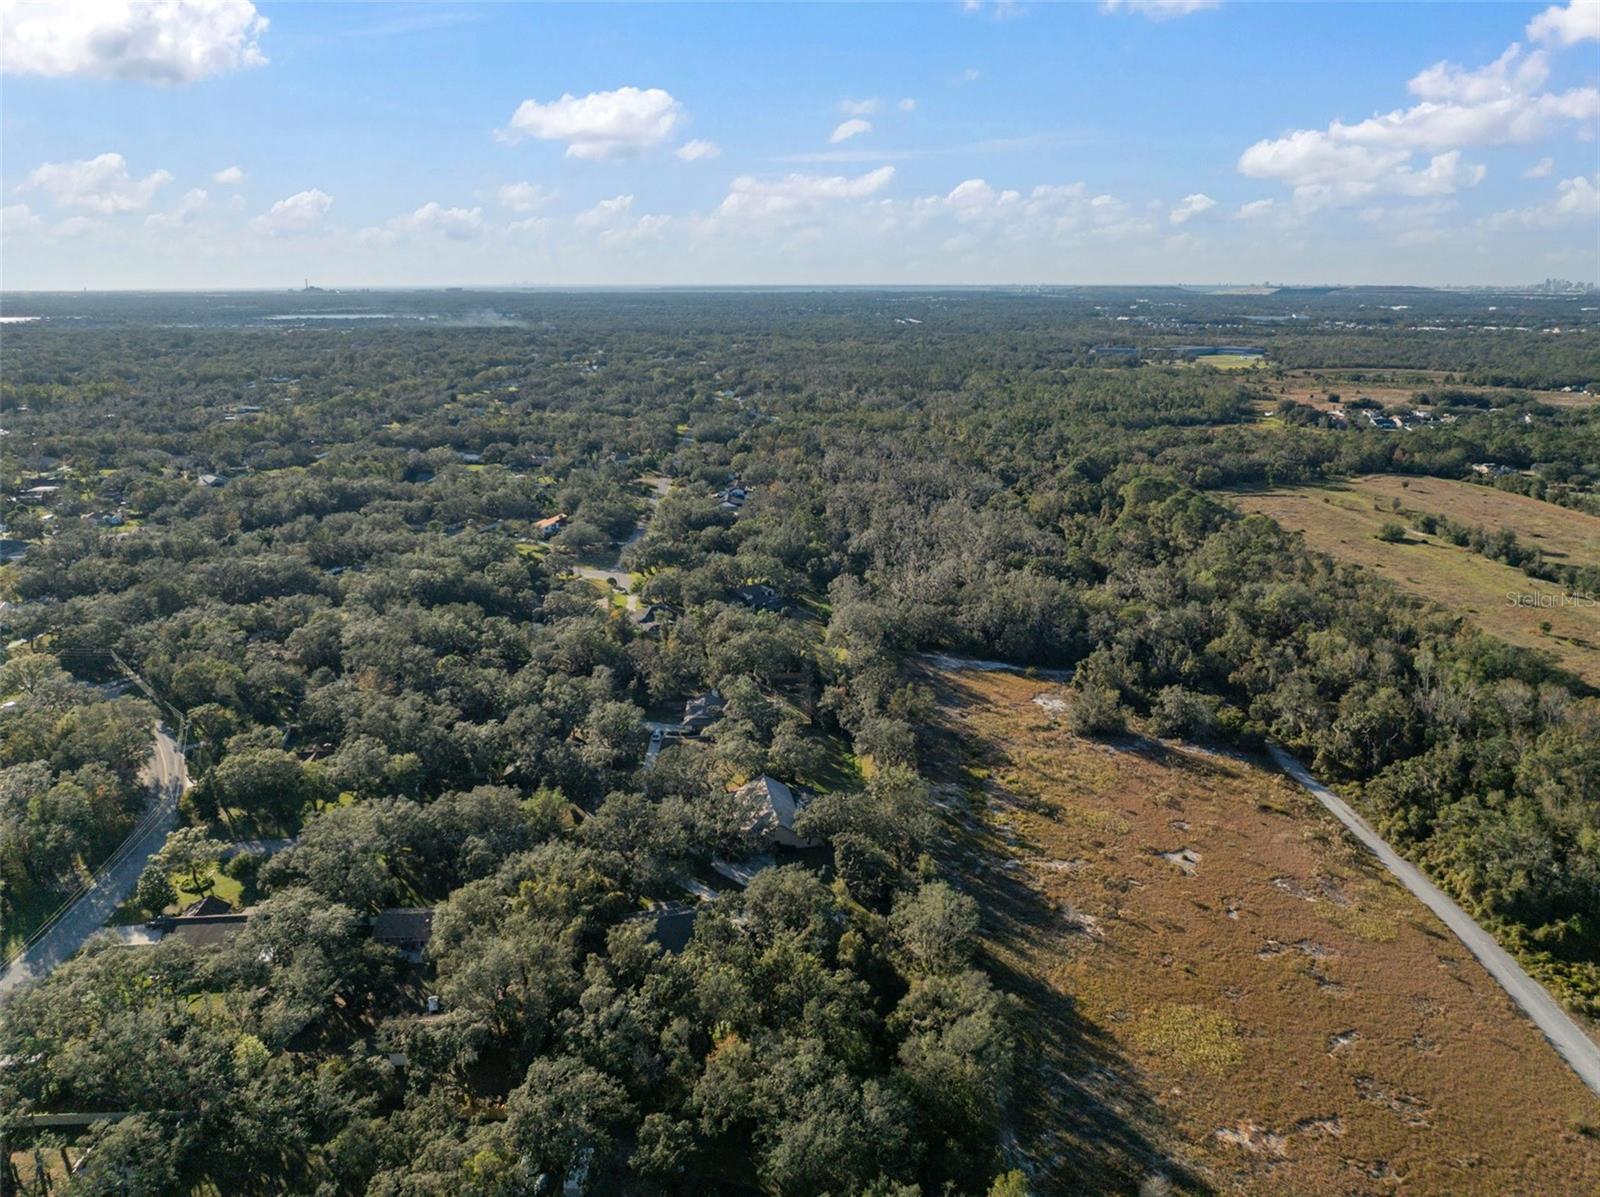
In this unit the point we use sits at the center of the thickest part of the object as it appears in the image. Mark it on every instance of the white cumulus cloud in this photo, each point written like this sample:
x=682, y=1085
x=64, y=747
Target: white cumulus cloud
x=1512, y=74
x=75, y=227
x=602, y=124
x=524, y=197
x=1444, y=174
x=1437, y=126
x=615, y=224
x=1256, y=209
x=751, y=197
x=101, y=184
x=1047, y=214
x=297, y=213
x=1540, y=169
x=698, y=150
x=532, y=226
x=189, y=205
x=1159, y=10
x=1578, y=22
x=606, y=212
x=976, y=199
x=145, y=41
x=16, y=219
x=907, y=105
x=854, y=127
x=864, y=107
x=229, y=176
x=1191, y=206
x=433, y=219
x=1576, y=199
x=1498, y=104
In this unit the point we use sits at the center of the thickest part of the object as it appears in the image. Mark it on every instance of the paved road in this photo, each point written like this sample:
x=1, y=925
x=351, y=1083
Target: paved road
x=169, y=777
x=619, y=578
x=1576, y=1048
x=614, y=574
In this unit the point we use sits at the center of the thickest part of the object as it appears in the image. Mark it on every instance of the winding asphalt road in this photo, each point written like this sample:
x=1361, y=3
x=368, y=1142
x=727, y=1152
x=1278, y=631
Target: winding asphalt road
x=1576, y=1048
x=169, y=777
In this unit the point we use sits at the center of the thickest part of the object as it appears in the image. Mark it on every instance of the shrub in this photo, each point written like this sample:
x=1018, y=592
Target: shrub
x=1098, y=711
x=244, y=867
x=1181, y=712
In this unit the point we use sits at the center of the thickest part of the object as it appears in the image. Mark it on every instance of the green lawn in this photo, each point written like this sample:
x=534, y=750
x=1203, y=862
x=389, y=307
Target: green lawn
x=229, y=889
x=222, y=886
x=841, y=770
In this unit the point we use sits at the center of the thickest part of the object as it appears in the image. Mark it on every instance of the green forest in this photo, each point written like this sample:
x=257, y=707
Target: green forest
x=311, y=546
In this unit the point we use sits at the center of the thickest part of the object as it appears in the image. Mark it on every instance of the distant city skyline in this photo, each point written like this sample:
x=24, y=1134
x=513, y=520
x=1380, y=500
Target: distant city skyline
x=222, y=144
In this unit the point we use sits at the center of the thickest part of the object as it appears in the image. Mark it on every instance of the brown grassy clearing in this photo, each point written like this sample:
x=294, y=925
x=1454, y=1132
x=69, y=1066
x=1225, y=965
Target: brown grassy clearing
x=1568, y=536
x=1312, y=387
x=1220, y=991
x=1340, y=519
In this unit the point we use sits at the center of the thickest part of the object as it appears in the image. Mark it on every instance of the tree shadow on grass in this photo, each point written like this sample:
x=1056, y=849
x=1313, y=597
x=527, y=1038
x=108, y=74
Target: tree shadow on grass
x=1081, y=1114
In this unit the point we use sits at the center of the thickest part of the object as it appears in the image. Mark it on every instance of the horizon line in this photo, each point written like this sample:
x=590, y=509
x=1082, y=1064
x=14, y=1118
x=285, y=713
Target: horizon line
x=348, y=288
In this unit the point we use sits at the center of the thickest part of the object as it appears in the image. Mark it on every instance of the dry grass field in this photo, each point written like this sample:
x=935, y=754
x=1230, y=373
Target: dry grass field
x=1220, y=995
x=1312, y=387
x=1229, y=361
x=1342, y=519
x=1567, y=536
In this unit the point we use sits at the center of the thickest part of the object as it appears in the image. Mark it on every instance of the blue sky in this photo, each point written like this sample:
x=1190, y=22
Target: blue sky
x=211, y=144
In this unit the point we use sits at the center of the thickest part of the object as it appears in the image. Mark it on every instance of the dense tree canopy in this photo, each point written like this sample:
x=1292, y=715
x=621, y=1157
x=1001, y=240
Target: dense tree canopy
x=375, y=651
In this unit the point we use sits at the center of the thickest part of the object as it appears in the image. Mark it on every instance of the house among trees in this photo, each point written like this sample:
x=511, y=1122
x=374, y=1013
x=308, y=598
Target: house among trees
x=653, y=620
x=733, y=499
x=550, y=525
x=773, y=807
x=210, y=904
x=208, y=923
x=760, y=597
x=407, y=929
x=672, y=925
x=700, y=713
